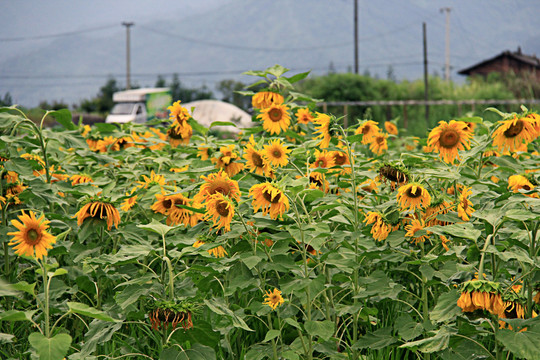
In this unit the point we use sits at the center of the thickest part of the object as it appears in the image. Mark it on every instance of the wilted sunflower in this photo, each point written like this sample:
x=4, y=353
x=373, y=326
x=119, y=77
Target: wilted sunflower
x=80, y=179
x=318, y=180
x=218, y=183
x=273, y=298
x=396, y=174
x=179, y=134
x=217, y=252
x=264, y=99
x=227, y=160
x=378, y=143
x=99, y=210
x=128, y=203
x=256, y=162
x=154, y=179
x=269, y=199
x=415, y=226
x=178, y=113
x=520, y=182
x=32, y=237
x=465, y=208
x=303, y=116
x=341, y=159
x=322, y=122
x=513, y=133
x=275, y=118
x=203, y=152
x=369, y=186
x=276, y=153
x=439, y=207
x=413, y=196
x=220, y=209
x=448, y=138
x=391, y=128
x=323, y=159
x=163, y=204
x=179, y=215
x=169, y=312
x=380, y=228
x=368, y=129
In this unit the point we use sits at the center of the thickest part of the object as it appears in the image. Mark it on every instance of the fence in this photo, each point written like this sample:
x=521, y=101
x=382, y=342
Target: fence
x=407, y=103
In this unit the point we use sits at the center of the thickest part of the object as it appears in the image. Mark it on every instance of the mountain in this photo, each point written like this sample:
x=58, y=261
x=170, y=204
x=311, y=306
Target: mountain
x=230, y=37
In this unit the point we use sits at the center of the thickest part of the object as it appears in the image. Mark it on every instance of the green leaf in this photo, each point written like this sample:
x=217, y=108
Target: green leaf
x=293, y=323
x=58, y=272
x=323, y=329
x=197, y=127
x=407, y=328
x=276, y=70
x=83, y=309
x=15, y=315
x=507, y=255
x=54, y=348
x=63, y=116
x=251, y=261
x=131, y=294
x=446, y=308
x=271, y=334
x=438, y=342
x=464, y=230
x=522, y=344
x=222, y=123
x=6, y=338
x=521, y=215
x=157, y=227
x=221, y=309
x=297, y=77
x=378, y=339
x=197, y=352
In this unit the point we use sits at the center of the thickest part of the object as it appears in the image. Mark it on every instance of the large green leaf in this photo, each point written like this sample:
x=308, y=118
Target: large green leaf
x=446, y=308
x=221, y=309
x=522, y=344
x=157, y=227
x=438, y=342
x=63, y=116
x=83, y=309
x=271, y=334
x=197, y=352
x=323, y=329
x=6, y=338
x=15, y=315
x=54, y=348
x=378, y=339
x=407, y=327
x=464, y=230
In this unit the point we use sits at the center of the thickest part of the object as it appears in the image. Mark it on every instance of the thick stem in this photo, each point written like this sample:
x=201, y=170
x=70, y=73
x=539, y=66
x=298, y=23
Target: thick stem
x=482, y=258
x=46, y=284
x=274, y=344
x=171, y=278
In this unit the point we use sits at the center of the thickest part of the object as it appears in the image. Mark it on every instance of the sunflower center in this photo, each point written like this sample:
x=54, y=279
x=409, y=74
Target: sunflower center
x=274, y=298
x=276, y=153
x=526, y=187
x=257, y=160
x=222, y=208
x=275, y=114
x=167, y=203
x=32, y=236
x=412, y=194
x=268, y=197
x=340, y=159
x=174, y=133
x=449, y=139
x=316, y=181
x=365, y=129
x=221, y=190
x=514, y=130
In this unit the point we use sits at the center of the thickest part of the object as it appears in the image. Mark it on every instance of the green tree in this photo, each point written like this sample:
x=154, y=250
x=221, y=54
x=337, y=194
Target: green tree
x=228, y=88
x=161, y=82
x=7, y=100
x=178, y=92
x=103, y=102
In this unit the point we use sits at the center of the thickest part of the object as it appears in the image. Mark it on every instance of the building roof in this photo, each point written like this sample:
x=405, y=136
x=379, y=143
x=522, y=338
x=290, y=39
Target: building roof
x=517, y=55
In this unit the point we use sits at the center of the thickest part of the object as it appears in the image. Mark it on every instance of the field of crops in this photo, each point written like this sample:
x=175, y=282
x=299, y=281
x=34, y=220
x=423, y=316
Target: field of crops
x=295, y=239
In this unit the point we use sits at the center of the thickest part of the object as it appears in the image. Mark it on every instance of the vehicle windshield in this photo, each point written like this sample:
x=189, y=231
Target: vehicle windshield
x=123, y=109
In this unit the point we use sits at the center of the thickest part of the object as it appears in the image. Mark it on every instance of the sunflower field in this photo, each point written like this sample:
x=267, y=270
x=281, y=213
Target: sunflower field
x=294, y=239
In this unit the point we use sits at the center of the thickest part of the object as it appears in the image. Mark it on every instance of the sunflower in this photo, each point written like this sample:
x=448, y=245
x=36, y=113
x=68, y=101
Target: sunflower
x=179, y=215
x=218, y=252
x=180, y=169
x=512, y=133
x=203, y=152
x=218, y=183
x=220, y=209
x=448, y=138
x=303, y=116
x=154, y=179
x=323, y=159
x=34, y=157
x=341, y=159
x=391, y=128
x=380, y=228
x=396, y=174
x=520, y=182
x=440, y=207
x=323, y=129
x=273, y=298
x=178, y=113
x=275, y=118
x=128, y=203
x=465, y=208
x=256, y=162
x=413, y=196
x=179, y=134
x=318, y=180
x=368, y=129
x=99, y=210
x=269, y=199
x=378, y=143
x=227, y=160
x=413, y=228
x=163, y=204
x=32, y=239
x=81, y=179
x=370, y=185
x=276, y=153
x=264, y=99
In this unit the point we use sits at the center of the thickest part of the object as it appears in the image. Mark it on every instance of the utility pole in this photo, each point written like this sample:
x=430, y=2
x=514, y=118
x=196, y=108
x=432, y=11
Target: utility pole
x=447, y=44
x=356, y=36
x=424, y=36
x=128, y=82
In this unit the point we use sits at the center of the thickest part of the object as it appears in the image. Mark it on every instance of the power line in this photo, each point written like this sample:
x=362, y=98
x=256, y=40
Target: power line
x=69, y=33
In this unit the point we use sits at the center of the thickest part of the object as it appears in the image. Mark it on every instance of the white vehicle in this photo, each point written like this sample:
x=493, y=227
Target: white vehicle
x=140, y=105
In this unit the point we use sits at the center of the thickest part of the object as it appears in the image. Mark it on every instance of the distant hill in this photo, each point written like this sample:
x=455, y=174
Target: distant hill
x=303, y=35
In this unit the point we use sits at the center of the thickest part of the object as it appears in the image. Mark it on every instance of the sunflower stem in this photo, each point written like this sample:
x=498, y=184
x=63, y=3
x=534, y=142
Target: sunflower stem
x=46, y=284
x=425, y=305
x=171, y=277
x=482, y=258
x=274, y=344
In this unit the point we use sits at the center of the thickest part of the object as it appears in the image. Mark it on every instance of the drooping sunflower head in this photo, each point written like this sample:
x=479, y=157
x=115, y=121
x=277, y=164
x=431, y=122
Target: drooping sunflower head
x=178, y=113
x=380, y=227
x=465, y=207
x=448, y=138
x=303, y=116
x=522, y=182
x=228, y=160
x=276, y=153
x=368, y=129
x=256, y=162
x=174, y=313
x=395, y=173
x=128, y=203
x=154, y=179
x=80, y=179
x=263, y=99
x=317, y=180
x=178, y=214
x=324, y=127
x=415, y=227
x=218, y=183
x=32, y=239
x=438, y=206
x=391, y=128
x=179, y=134
x=98, y=209
x=273, y=298
x=270, y=199
x=513, y=133
x=413, y=196
x=276, y=118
